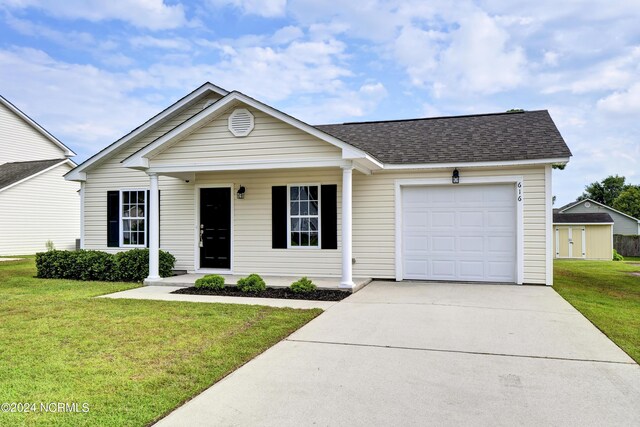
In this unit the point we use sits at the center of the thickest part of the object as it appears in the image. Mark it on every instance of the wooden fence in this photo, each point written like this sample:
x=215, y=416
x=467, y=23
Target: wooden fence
x=627, y=245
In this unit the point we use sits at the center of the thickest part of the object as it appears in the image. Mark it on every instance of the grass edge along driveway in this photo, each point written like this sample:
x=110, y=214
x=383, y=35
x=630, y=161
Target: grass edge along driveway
x=607, y=294
x=131, y=361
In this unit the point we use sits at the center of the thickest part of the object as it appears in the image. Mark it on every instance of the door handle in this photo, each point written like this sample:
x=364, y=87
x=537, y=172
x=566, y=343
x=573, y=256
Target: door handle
x=201, y=244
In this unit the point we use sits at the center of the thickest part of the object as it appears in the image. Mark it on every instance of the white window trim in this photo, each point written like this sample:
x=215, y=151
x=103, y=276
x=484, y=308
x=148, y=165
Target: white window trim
x=120, y=218
x=516, y=180
x=306, y=248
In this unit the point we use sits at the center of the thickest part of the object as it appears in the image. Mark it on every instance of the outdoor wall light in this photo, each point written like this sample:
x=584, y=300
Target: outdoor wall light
x=455, y=178
x=240, y=193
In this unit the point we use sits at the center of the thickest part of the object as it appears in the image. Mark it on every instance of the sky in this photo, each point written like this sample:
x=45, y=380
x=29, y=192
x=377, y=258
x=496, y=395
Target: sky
x=89, y=71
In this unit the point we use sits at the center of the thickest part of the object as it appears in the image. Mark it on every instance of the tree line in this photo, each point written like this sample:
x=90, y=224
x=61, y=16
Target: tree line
x=612, y=191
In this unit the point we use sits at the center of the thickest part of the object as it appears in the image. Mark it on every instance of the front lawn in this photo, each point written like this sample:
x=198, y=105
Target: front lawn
x=131, y=361
x=607, y=294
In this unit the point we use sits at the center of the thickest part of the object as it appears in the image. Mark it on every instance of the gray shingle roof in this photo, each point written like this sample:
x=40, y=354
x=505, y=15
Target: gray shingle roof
x=581, y=218
x=525, y=135
x=10, y=173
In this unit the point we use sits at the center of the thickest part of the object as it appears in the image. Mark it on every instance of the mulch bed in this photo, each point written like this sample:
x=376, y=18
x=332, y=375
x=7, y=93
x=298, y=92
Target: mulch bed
x=282, y=293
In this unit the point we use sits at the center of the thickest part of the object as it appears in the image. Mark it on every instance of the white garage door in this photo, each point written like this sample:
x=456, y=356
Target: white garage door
x=465, y=233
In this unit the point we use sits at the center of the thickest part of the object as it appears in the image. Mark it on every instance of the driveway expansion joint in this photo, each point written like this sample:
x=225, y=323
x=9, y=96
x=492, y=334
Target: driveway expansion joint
x=479, y=353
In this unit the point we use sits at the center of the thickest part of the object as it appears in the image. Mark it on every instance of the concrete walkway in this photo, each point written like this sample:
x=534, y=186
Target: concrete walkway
x=186, y=280
x=163, y=293
x=432, y=354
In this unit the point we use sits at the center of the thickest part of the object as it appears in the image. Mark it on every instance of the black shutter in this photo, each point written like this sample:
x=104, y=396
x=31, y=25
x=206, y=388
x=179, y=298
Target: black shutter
x=329, y=216
x=279, y=217
x=149, y=216
x=113, y=219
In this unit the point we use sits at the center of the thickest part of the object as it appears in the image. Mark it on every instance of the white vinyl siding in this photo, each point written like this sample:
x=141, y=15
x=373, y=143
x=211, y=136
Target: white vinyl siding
x=45, y=207
x=20, y=142
x=271, y=139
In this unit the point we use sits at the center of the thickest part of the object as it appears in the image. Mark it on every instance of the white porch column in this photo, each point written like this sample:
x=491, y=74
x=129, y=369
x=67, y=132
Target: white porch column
x=347, y=268
x=154, y=229
x=82, y=186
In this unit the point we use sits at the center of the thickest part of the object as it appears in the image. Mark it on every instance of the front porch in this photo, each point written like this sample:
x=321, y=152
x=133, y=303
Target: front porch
x=187, y=280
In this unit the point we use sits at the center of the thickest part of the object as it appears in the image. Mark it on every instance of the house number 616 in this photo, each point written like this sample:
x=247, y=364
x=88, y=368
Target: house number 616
x=519, y=191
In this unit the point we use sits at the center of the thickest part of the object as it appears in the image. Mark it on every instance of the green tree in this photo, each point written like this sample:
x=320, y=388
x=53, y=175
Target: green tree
x=605, y=191
x=629, y=201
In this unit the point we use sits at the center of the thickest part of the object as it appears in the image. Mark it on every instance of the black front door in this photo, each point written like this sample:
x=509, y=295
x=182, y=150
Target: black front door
x=215, y=228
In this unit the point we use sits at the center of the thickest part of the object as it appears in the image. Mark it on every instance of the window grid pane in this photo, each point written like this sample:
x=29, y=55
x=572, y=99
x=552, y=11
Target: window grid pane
x=304, y=216
x=134, y=211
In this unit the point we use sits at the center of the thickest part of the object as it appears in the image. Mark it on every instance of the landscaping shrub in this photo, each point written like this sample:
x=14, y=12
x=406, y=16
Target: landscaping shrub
x=133, y=265
x=252, y=283
x=129, y=266
x=303, y=285
x=210, y=281
x=55, y=265
x=92, y=265
x=617, y=256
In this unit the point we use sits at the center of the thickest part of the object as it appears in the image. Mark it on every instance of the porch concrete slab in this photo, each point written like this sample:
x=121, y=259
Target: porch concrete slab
x=496, y=319
x=163, y=293
x=302, y=383
x=186, y=280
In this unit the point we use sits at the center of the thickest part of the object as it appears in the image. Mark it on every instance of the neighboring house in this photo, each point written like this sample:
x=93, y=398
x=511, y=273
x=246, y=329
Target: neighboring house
x=245, y=188
x=583, y=235
x=36, y=203
x=622, y=223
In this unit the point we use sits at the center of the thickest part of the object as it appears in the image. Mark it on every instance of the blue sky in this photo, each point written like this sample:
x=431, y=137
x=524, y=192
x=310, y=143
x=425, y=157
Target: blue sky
x=89, y=71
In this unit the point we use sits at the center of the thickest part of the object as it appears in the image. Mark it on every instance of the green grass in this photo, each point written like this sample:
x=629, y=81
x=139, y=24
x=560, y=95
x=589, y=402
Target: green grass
x=131, y=361
x=607, y=294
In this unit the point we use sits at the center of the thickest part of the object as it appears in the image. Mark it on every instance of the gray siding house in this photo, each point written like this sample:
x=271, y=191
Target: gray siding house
x=622, y=223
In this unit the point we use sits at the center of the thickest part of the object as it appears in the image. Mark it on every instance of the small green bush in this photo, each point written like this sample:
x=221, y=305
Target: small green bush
x=252, y=283
x=302, y=286
x=133, y=265
x=210, y=281
x=93, y=265
x=129, y=266
x=617, y=256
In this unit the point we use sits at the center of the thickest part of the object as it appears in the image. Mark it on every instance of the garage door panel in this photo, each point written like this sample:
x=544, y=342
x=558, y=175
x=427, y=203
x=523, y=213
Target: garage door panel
x=469, y=245
x=443, y=244
x=463, y=233
x=471, y=270
x=470, y=219
x=444, y=219
x=444, y=269
x=500, y=270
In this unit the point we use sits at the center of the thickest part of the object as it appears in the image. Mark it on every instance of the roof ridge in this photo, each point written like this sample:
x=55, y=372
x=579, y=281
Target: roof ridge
x=504, y=113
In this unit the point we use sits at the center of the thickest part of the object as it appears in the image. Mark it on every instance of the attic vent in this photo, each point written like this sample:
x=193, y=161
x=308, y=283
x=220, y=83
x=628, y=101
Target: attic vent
x=241, y=122
x=587, y=205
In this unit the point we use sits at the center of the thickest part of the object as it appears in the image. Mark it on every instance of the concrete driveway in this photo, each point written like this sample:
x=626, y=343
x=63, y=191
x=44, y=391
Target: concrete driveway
x=427, y=353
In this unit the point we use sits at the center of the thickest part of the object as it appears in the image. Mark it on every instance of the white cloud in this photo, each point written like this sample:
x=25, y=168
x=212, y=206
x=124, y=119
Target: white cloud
x=80, y=104
x=266, y=8
x=623, y=102
x=151, y=14
x=160, y=43
x=287, y=34
x=346, y=104
x=474, y=58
